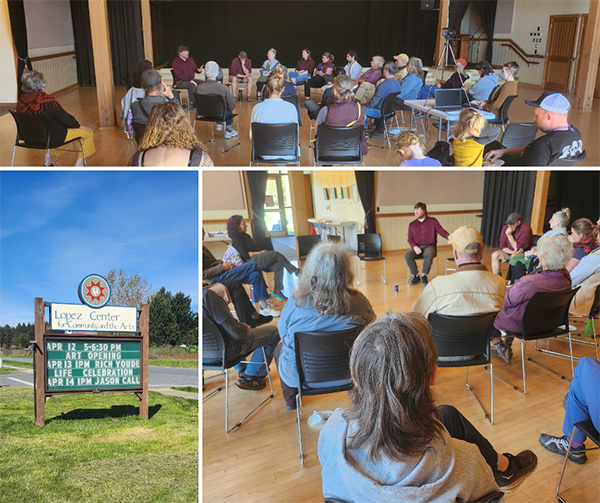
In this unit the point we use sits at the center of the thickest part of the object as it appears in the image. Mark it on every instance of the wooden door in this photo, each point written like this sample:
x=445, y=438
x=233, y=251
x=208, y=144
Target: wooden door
x=560, y=51
x=579, y=69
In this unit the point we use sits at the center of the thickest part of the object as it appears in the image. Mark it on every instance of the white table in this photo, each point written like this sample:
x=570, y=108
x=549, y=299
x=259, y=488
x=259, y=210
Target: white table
x=428, y=107
x=335, y=225
x=223, y=238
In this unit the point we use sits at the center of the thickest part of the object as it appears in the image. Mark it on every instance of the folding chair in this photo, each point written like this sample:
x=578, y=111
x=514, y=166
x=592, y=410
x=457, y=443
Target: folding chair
x=370, y=249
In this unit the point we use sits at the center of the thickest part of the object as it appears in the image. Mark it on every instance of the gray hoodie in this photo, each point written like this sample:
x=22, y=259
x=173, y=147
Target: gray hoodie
x=450, y=471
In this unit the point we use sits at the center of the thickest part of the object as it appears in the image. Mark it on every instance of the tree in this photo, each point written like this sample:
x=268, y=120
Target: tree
x=172, y=320
x=128, y=290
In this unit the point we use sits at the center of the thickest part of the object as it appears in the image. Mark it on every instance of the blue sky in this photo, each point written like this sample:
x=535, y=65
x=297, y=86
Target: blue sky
x=58, y=227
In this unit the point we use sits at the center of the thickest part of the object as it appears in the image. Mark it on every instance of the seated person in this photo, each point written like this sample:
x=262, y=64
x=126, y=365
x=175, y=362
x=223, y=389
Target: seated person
x=554, y=253
x=561, y=141
x=266, y=70
x=515, y=239
x=583, y=404
x=422, y=238
x=62, y=126
x=488, y=81
x=402, y=62
x=325, y=301
x=589, y=264
x=412, y=151
x=393, y=443
x=233, y=291
x=242, y=339
x=366, y=84
x=274, y=110
x=389, y=86
x=509, y=88
x=184, y=70
x=328, y=95
x=304, y=68
x=353, y=68
x=411, y=85
x=132, y=95
x=343, y=111
x=469, y=137
x=267, y=260
x=156, y=91
x=456, y=81
x=584, y=241
x=218, y=271
x=322, y=75
x=288, y=90
x=169, y=140
x=240, y=72
x=211, y=86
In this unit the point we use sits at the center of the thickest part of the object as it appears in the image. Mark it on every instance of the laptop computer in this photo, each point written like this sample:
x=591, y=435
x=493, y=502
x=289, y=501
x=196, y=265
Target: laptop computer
x=448, y=100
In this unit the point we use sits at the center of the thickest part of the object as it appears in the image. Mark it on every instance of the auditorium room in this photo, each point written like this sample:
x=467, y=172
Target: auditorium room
x=480, y=83
x=385, y=303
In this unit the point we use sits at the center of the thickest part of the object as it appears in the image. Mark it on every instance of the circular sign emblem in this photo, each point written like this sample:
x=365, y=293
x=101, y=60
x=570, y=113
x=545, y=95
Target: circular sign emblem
x=94, y=291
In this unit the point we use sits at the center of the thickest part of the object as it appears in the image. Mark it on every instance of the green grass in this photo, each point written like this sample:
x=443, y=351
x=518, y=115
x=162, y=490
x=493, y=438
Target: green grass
x=189, y=389
x=4, y=371
x=188, y=364
x=96, y=448
x=17, y=363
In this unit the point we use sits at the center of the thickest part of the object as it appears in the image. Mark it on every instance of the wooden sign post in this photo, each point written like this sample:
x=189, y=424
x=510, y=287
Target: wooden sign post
x=85, y=362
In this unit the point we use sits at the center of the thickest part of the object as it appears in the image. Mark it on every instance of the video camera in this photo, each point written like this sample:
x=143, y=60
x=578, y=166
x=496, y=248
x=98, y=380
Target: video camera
x=448, y=33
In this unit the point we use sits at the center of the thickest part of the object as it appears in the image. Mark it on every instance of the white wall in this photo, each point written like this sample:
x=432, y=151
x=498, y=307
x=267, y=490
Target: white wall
x=49, y=27
x=8, y=73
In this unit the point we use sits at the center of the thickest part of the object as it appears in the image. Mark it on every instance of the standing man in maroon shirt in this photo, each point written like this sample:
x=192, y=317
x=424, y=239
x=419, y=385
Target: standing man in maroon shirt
x=422, y=238
x=240, y=72
x=185, y=69
x=515, y=238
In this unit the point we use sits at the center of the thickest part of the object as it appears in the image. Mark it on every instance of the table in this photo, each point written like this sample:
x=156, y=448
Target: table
x=428, y=107
x=217, y=237
x=334, y=224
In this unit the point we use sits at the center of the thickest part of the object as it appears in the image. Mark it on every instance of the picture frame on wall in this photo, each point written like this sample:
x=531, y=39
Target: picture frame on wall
x=333, y=193
x=345, y=192
x=354, y=193
x=326, y=194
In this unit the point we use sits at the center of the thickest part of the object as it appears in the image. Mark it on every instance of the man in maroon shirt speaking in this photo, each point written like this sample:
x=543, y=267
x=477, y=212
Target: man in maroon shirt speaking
x=422, y=238
x=184, y=69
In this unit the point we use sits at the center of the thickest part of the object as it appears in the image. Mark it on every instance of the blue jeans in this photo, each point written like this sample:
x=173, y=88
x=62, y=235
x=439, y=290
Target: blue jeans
x=299, y=78
x=229, y=119
x=583, y=402
x=374, y=113
x=267, y=336
x=249, y=274
x=427, y=92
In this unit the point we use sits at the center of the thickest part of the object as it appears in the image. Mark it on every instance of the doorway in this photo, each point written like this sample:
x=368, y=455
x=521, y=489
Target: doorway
x=278, y=204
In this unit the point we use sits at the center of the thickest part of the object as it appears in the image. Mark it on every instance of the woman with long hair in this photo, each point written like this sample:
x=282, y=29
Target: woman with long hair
x=267, y=260
x=169, y=140
x=393, y=443
x=322, y=73
x=584, y=241
x=324, y=300
x=304, y=68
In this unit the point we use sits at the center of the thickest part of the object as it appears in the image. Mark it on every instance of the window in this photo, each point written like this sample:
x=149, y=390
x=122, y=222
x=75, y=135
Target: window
x=278, y=204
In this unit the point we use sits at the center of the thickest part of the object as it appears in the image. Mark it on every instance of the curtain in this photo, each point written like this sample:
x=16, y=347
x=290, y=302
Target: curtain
x=487, y=12
x=365, y=181
x=126, y=41
x=456, y=12
x=16, y=13
x=257, y=181
x=80, y=15
x=505, y=192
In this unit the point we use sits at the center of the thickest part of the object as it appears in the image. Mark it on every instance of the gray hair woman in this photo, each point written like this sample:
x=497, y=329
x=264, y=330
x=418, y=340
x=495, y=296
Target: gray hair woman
x=62, y=126
x=266, y=71
x=554, y=253
x=324, y=301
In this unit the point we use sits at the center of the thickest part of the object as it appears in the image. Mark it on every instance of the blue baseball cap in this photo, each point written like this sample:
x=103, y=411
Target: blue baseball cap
x=553, y=102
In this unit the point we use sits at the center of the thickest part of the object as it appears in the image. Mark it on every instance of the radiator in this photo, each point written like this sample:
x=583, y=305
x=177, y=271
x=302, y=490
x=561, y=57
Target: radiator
x=60, y=72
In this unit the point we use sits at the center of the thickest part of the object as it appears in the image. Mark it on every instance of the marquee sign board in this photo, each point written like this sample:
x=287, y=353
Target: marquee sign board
x=75, y=317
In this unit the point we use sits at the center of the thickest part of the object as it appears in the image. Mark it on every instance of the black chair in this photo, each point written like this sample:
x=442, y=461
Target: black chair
x=33, y=132
x=503, y=120
x=277, y=140
x=322, y=357
x=588, y=429
x=569, y=162
x=465, y=336
x=293, y=99
x=519, y=134
x=138, y=131
x=589, y=319
x=305, y=244
x=181, y=89
x=213, y=108
x=370, y=249
x=339, y=145
x=388, y=112
x=214, y=351
x=546, y=316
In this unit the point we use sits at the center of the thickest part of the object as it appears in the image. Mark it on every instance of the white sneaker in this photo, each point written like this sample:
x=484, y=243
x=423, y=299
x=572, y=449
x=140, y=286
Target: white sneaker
x=230, y=134
x=219, y=126
x=268, y=311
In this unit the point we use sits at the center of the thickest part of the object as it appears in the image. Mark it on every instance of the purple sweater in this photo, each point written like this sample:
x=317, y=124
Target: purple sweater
x=517, y=296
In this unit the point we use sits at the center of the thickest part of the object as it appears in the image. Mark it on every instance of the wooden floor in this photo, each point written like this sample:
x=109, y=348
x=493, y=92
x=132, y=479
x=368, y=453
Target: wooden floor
x=259, y=462
x=114, y=149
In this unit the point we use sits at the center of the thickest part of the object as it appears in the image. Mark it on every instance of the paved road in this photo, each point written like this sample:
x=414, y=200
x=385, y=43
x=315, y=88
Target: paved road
x=159, y=377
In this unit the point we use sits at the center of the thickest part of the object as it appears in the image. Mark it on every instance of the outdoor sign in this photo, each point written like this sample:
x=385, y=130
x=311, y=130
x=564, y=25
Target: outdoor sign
x=75, y=317
x=80, y=360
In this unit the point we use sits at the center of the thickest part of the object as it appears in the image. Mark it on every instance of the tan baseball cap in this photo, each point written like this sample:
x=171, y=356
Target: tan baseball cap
x=466, y=240
x=403, y=57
